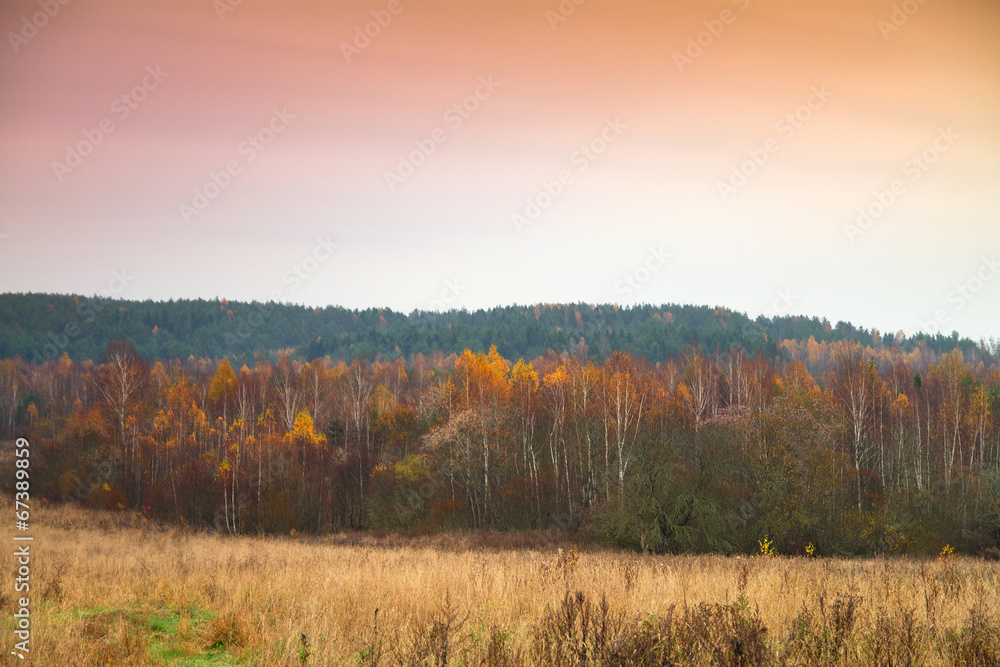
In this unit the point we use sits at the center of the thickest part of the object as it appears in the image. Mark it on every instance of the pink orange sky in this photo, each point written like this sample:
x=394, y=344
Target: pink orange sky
x=608, y=157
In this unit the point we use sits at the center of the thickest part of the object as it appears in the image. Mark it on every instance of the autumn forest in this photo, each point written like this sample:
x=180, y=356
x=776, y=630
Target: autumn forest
x=848, y=447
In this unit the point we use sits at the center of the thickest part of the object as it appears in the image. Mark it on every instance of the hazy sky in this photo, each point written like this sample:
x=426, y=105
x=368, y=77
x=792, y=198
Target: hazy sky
x=470, y=154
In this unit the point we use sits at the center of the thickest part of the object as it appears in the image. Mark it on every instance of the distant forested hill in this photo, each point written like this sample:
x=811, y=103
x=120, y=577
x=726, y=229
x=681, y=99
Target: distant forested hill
x=43, y=326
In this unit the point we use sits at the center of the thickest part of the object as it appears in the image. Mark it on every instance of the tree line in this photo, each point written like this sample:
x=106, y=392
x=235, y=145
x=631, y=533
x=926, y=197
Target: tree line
x=41, y=327
x=855, y=449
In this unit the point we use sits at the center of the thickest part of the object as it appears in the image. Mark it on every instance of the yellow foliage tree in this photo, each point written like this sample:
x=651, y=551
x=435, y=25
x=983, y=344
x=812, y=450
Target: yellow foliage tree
x=222, y=391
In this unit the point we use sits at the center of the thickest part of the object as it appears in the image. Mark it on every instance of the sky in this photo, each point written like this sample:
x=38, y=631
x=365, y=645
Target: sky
x=832, y=158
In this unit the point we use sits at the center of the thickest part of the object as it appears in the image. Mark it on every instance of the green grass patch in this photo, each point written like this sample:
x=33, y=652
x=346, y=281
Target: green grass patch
x=176, y=636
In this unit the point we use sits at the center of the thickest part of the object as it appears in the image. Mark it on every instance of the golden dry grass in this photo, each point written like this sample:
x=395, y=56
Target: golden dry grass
x=109, y=590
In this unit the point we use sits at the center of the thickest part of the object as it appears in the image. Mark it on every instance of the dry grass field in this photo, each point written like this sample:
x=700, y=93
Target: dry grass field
x=107, y=590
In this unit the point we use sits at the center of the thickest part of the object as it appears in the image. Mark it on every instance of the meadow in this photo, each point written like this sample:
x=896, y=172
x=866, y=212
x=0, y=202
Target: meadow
x=111, y=589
